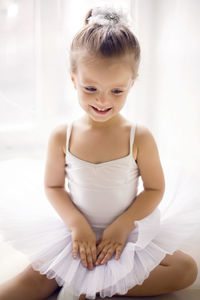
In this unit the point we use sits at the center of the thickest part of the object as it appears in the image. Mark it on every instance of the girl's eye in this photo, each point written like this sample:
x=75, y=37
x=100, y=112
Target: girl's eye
x=117, y=91
x=90, y=89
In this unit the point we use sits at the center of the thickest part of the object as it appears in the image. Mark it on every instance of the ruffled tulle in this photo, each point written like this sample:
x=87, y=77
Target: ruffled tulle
x=29, y=224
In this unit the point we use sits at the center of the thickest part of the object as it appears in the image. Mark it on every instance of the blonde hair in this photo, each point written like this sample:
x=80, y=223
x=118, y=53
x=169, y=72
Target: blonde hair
x=105, y=41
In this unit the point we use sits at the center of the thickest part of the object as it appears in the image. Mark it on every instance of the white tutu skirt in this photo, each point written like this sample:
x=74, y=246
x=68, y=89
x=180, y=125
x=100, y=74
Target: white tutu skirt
x=29, y=223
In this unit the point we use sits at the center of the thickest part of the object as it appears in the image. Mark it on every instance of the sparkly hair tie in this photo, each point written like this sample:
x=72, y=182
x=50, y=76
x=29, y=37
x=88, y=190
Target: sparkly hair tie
x=108, y=16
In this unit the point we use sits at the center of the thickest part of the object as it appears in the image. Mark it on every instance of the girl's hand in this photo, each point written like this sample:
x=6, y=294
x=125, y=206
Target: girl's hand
x=84, y=242
x=113, y=240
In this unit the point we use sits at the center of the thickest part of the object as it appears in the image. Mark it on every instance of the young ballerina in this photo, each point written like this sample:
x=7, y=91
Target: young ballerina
x=108, y=239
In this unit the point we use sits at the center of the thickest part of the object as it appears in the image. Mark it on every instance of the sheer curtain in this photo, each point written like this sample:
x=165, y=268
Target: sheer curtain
x=166, y=97
x=36, y=92
x=35, y=88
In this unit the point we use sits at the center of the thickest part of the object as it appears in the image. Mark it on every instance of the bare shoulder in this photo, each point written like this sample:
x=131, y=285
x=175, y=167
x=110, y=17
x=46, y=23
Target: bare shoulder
x=58, y=135
x=55, y=161
x=144, y=138
x=148, y=159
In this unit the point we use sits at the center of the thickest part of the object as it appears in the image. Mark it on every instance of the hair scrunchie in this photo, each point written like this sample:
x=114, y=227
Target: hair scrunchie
x=108, y=16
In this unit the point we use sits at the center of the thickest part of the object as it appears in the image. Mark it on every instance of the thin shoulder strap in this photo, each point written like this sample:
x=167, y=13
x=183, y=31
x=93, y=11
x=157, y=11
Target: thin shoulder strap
x=132, y=136
x=68, y=133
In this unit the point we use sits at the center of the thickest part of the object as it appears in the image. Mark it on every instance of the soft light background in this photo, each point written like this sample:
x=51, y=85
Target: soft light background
x=35, y=89
x=36, y=93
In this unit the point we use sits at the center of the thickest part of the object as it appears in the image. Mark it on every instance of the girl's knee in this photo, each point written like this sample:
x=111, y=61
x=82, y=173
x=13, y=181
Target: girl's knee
x=40, y=281
x=191, y=269
x=186, y=271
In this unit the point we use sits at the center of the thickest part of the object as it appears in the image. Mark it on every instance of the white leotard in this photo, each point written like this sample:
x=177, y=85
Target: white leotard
x=105, y=190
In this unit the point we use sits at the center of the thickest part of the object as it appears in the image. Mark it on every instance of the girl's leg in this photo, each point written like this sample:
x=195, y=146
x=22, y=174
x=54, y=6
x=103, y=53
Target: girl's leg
x=175, y=272
x=29, y=284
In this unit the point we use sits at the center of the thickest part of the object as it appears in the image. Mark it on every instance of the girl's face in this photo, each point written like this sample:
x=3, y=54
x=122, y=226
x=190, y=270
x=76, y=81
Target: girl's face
x=102, y=86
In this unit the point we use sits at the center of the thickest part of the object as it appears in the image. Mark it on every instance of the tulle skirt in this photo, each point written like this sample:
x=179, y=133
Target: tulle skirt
x=29, y=223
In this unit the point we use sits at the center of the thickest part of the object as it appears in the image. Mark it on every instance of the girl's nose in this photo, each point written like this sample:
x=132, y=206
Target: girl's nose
x=102, y=98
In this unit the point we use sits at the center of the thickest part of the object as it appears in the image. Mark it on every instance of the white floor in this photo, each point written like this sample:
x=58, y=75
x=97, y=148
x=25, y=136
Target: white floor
x=187, y=294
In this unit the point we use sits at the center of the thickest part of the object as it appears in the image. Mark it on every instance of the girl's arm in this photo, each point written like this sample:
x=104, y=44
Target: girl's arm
x=154, y=185
x=83, y=237
x=54, y=179
x=152, y=176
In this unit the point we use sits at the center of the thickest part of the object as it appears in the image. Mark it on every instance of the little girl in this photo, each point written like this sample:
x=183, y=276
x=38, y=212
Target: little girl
x=108, y=239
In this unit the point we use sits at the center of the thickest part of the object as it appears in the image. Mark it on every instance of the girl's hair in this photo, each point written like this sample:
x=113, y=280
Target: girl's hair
x=105, y=41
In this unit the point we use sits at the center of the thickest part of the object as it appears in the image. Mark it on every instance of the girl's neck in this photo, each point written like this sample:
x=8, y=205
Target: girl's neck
x=115, y=121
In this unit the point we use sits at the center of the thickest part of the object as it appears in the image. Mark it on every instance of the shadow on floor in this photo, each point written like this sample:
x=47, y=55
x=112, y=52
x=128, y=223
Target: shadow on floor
x=186, y=294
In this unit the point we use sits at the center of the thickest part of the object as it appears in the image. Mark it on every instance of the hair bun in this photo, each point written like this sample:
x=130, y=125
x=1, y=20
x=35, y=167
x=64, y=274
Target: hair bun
x=106, y=16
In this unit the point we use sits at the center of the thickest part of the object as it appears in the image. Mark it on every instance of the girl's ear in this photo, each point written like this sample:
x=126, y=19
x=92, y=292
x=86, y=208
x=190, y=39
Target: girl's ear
x=73, y=79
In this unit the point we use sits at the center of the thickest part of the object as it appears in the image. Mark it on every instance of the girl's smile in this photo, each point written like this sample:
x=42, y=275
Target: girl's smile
x=101, y=110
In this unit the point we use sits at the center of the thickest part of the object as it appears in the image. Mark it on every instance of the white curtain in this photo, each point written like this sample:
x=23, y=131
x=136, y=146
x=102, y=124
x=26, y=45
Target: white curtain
x=167, y=95
x=35, y=88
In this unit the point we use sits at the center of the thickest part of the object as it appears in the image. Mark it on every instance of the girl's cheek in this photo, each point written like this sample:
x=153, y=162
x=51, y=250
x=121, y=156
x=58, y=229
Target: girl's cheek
x=84, y=95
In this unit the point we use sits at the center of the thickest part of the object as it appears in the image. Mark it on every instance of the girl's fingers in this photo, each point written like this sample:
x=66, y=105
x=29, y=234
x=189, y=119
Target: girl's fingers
x=75, y=249
x=108, y=256
x=118, y=252
x=83, y=255
x=94, y=254
x=102, y=254
x=100, y=248
x=89, y=255
x=108, y=252
x=89, y=258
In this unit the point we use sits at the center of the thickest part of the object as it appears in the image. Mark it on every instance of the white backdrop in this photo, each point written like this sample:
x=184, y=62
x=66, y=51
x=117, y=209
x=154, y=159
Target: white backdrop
x=167, y=95
x=35, y=88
